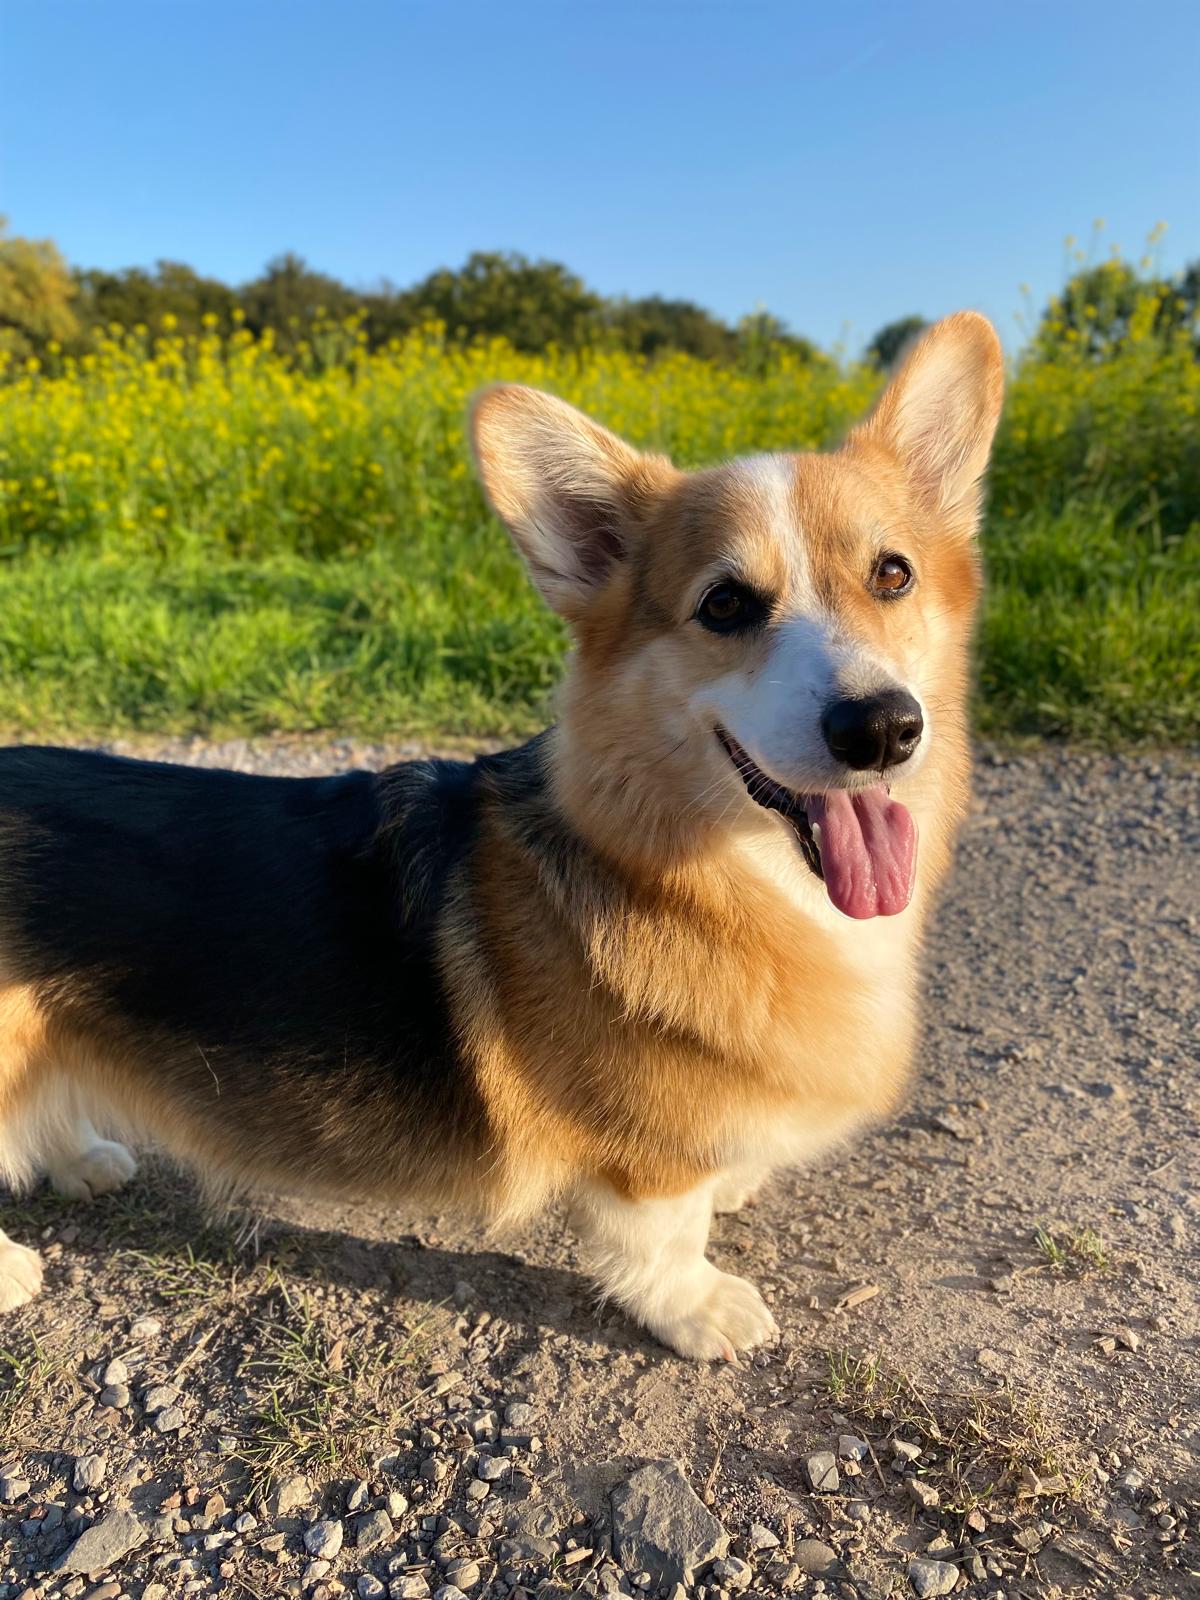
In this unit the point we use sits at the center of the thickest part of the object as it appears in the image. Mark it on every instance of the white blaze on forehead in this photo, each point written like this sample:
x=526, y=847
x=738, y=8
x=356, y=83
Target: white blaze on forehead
x=771, y=481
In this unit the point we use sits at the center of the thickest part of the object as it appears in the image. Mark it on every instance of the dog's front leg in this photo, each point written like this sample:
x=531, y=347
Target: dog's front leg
x=20, y=1273
x=648, y=1255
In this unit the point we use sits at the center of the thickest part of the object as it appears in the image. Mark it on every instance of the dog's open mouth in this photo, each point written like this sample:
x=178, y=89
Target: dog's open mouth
x=861, y=842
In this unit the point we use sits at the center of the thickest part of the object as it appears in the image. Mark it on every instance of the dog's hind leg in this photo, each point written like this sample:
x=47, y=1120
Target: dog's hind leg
x=82, y=1165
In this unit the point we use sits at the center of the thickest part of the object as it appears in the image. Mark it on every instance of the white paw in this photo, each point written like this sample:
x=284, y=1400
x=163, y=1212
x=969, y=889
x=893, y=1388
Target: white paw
x=20, y=1274
x=731, y=1316
x=103, y=1167
x=731, y=1194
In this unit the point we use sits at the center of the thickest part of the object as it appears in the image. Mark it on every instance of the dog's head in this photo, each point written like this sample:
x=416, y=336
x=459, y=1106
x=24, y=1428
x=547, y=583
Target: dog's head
x=785, y=634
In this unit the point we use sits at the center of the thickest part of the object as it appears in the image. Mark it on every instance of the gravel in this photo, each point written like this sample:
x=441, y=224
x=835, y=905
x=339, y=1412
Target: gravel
x=549, y=1447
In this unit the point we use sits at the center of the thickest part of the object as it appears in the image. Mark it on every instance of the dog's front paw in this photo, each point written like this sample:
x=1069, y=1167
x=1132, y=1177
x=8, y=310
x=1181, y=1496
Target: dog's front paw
x=98, y=1170
x=20, y=1274
x=730, y=1316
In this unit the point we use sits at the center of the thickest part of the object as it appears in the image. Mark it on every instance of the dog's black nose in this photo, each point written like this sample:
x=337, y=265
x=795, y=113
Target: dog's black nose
x=879, y=732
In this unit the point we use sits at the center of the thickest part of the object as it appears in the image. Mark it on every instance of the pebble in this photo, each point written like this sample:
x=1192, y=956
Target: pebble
x=89, y=1473
x=292, y=1495
x=852, y=1448
x=158, y=1397
x=434, y=1469
x=13, y=1488
x=116, y=1395
x=115, y=1372
x=924, y=1494
x=169, y=1421
x=492, y=1468
x=410, y=1586
x=519, y=1415
x=369, y=1587
x=373, y=1530
x=324, y=1538
x=814, y=1557
x=822, y=1472
x=905, y=1450
x=397, y=1505
x=104, y=1543
x=733, y=1573
x=931, y=1577
x=145, y=1328
x=761, y=1538
x=358, y=1496
x=246, y=1523
x=464, y=1572
x=105, y=1591
x=313, y=1573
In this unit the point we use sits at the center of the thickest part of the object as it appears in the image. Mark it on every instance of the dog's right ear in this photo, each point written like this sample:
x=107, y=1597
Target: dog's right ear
x=568, y=491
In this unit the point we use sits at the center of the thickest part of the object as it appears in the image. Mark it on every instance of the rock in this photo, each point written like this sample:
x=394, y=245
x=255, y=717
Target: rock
x=492, y=1468
x=477, y=1490
x=115, y=1372
x=761, y=1538
x=931, y=1577
x=660, y=1524
x=519, y=1415
x=449, y=1591
x=116, y=1395
x=169, y=1421
x=905, y=1450
x=397, y=1505
x=324, y=1538
x=369, y=1587
x=411, y=1586
x=155, y=1591
x=313, y=1573
x=292, y=1495
x=99, y=1546
x=822, y=1473
x=434, y=1469
x=852, y=1448
x=815, y=1558
x=1029, y=1540
x=465, y=1573
x=145, y=1328
x=105, y=1591
x=89, y=1473
x=858, y=1511
x=373, y=1530
x=923, y=1494
x=13, y=1488
x=358, y=1496
x=246, y=1523
x=158, y=1397
x=731, y=1572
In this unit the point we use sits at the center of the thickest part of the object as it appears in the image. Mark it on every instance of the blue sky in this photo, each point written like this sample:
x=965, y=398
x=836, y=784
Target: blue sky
x=841, y=164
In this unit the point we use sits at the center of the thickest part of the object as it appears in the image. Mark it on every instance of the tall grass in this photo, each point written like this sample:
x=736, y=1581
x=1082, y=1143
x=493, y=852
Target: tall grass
x=200, y=535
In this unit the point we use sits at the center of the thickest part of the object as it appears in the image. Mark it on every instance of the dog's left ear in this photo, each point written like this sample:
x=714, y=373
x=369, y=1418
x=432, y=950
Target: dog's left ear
x=938, y=415
x=568, y=491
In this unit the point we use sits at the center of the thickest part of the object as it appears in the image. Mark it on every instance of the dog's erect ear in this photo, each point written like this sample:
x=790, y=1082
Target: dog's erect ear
x=939, y=413
x=567, y=489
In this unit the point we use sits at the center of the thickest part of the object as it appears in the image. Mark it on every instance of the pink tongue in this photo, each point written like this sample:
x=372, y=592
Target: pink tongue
x=868, y=845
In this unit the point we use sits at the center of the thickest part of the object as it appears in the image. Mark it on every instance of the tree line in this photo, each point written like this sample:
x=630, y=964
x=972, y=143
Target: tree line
x=46, y=304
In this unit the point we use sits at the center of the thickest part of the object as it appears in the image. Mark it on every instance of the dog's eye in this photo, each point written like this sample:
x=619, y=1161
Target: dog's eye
x=728, y=608
x=892, y=576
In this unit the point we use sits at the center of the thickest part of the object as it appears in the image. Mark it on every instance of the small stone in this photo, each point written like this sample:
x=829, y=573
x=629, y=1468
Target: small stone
x=923, y=1494
x=99, y=1546
x=931, y=1577
x=905, y=1450
x=116, y=1395
x=155, y=1591
x=465, y=1573
x=158, y=1397
x=313, y=1573
x=975, y=1521
x=169, y=1421
x=324, y=1538
x=492, y=1468
x=858, y=1511
x=761, y=1537
x=410, y=1586
x=292, y=1495
x=89, y=1473
x=822, y=1473
x=519, y=1415
x=373, y=1530
x=397, y=1505
x=145, y=1328
x=369, y=1587
x=359, y=1495
x=105, y=1591
x=246, y=1523
x=477, y=1490
x=1029, y=1540
x=731, y=1572
x=449, y=1591
x=434, y=1469
x=115, y=1372
x=660, y=1523
x=815, y=1558
x=13, y=1488
x=852, y=1448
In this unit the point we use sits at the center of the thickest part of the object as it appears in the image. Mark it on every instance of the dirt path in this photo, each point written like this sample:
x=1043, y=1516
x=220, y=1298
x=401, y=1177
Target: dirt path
x=1052, y=1387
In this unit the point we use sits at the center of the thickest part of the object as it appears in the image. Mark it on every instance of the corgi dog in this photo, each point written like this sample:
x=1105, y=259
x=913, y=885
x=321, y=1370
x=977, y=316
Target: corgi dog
x=666, y=947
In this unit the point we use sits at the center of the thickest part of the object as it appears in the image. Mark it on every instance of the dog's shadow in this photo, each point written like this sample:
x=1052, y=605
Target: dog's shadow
x=160, y=1235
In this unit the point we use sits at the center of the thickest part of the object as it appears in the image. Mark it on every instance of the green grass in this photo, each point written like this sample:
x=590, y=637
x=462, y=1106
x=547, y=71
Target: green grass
x=1091, y=631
